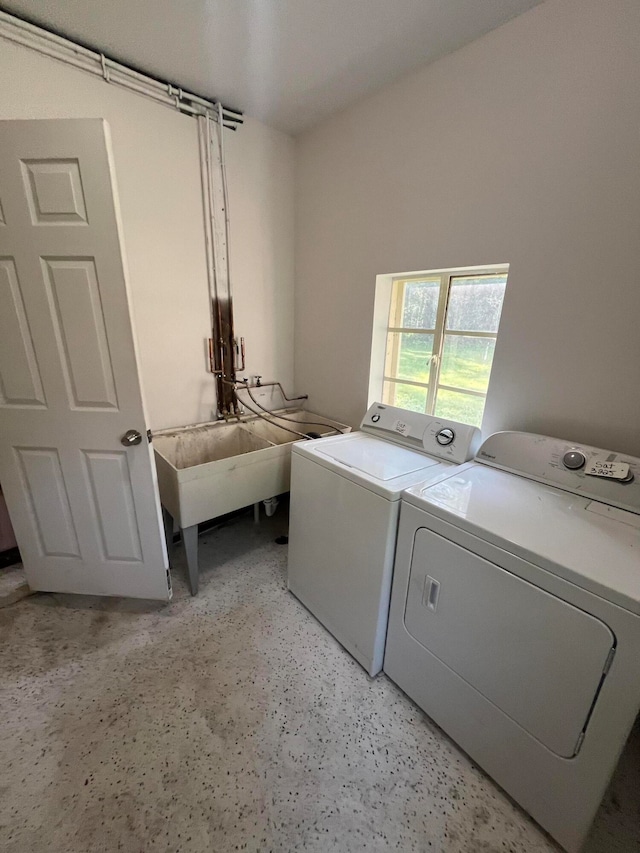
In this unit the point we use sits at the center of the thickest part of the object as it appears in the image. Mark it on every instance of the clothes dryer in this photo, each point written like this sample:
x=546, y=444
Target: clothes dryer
x=515, y=617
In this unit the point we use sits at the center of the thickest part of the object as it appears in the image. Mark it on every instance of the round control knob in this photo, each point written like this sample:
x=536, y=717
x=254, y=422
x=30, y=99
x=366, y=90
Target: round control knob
x=445, y=436
x=574, y=460
x=375, y=418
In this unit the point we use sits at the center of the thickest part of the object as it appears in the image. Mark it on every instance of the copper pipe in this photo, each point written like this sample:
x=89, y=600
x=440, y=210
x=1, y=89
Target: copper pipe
x=241, y=367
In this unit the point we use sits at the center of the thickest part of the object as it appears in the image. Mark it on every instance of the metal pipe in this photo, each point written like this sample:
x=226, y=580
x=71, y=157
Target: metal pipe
x=218, y=193
x=219, y=346
x=216, y=344
x=34, y=37
x=209, y=171
x=227, y=217
x=224, y=341
x=242, y=354
x=205, y=167
x=225, y=191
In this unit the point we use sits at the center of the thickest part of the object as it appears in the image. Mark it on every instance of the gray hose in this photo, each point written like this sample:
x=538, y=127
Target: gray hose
x=283, y=418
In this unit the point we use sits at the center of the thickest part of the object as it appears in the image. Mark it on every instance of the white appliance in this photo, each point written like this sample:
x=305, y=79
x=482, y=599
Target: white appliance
x=515, y=617
x=345, y=501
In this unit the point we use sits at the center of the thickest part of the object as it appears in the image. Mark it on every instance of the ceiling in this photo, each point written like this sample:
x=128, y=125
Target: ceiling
x=289, y=63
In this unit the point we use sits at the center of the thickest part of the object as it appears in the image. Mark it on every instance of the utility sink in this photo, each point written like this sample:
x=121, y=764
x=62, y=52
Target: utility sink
x=192, y=446
x=207, y=470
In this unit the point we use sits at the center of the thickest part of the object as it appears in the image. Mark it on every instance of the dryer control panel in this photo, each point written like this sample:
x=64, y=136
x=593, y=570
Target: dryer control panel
x=604, y=475
x=444, y=439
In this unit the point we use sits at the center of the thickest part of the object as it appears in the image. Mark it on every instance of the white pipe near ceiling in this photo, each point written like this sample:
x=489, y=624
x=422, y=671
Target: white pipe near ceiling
x=204, y=142
x=56, y=47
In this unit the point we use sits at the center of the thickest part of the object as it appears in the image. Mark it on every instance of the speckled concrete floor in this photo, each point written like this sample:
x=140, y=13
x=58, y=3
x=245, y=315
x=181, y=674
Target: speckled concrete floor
x=13, y=585
x=231, y=721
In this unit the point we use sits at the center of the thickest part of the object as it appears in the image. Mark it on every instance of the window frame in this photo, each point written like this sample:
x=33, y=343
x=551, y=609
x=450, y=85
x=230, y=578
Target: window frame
x=396, y=287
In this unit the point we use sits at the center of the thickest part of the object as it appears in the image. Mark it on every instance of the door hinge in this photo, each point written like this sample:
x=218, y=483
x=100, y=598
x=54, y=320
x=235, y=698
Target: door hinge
x=149, y=436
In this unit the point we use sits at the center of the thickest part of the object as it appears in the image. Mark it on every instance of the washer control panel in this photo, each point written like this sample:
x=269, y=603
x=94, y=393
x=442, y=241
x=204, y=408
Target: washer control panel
x=438, y=437
x=604, y=475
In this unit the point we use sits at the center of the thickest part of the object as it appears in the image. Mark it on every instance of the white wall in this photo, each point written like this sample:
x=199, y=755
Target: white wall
x=157, y=167
x=521, y=148
x=260, y=166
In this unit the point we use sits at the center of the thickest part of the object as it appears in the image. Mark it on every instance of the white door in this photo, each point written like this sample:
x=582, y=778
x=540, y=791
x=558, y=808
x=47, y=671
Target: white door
x=85, y=508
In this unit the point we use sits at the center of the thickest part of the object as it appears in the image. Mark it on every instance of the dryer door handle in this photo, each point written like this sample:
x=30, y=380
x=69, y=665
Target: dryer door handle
x=431, y=593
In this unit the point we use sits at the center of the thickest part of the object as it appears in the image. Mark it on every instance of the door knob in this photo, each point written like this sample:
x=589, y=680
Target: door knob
x=131, y=436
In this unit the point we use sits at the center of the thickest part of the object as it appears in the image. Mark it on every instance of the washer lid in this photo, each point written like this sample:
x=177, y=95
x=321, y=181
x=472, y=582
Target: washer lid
x=380, y=459
x=380, y=466
x=569, y=535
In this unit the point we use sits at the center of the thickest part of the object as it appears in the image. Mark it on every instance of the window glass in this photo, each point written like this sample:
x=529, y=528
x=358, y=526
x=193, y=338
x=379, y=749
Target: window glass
x=420, y=306
x=410, y=397
x=456, y=406
x=409, y=355
x=475, y=303
x=466, y=362
x=462, y=335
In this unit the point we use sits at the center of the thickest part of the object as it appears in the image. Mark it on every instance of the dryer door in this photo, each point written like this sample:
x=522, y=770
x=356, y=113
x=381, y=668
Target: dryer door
x=539, y=659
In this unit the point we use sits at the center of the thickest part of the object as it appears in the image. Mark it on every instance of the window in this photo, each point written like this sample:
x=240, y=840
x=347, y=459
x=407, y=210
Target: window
x=440, y=339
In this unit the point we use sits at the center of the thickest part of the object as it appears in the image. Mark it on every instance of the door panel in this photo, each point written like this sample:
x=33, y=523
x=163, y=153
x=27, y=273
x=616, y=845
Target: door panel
x=85, y=510
x=20, y=383
x=536, y=657
x=54, y=192
x=49, y=502
x=113, y=504
x=76, y=310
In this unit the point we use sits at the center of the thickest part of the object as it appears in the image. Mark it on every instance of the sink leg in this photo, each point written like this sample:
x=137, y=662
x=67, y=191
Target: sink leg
x=190, y=539
x=256, y=513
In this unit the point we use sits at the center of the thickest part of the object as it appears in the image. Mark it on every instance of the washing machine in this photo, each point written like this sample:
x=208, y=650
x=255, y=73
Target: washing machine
x=515, y=617
x=345, y=501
